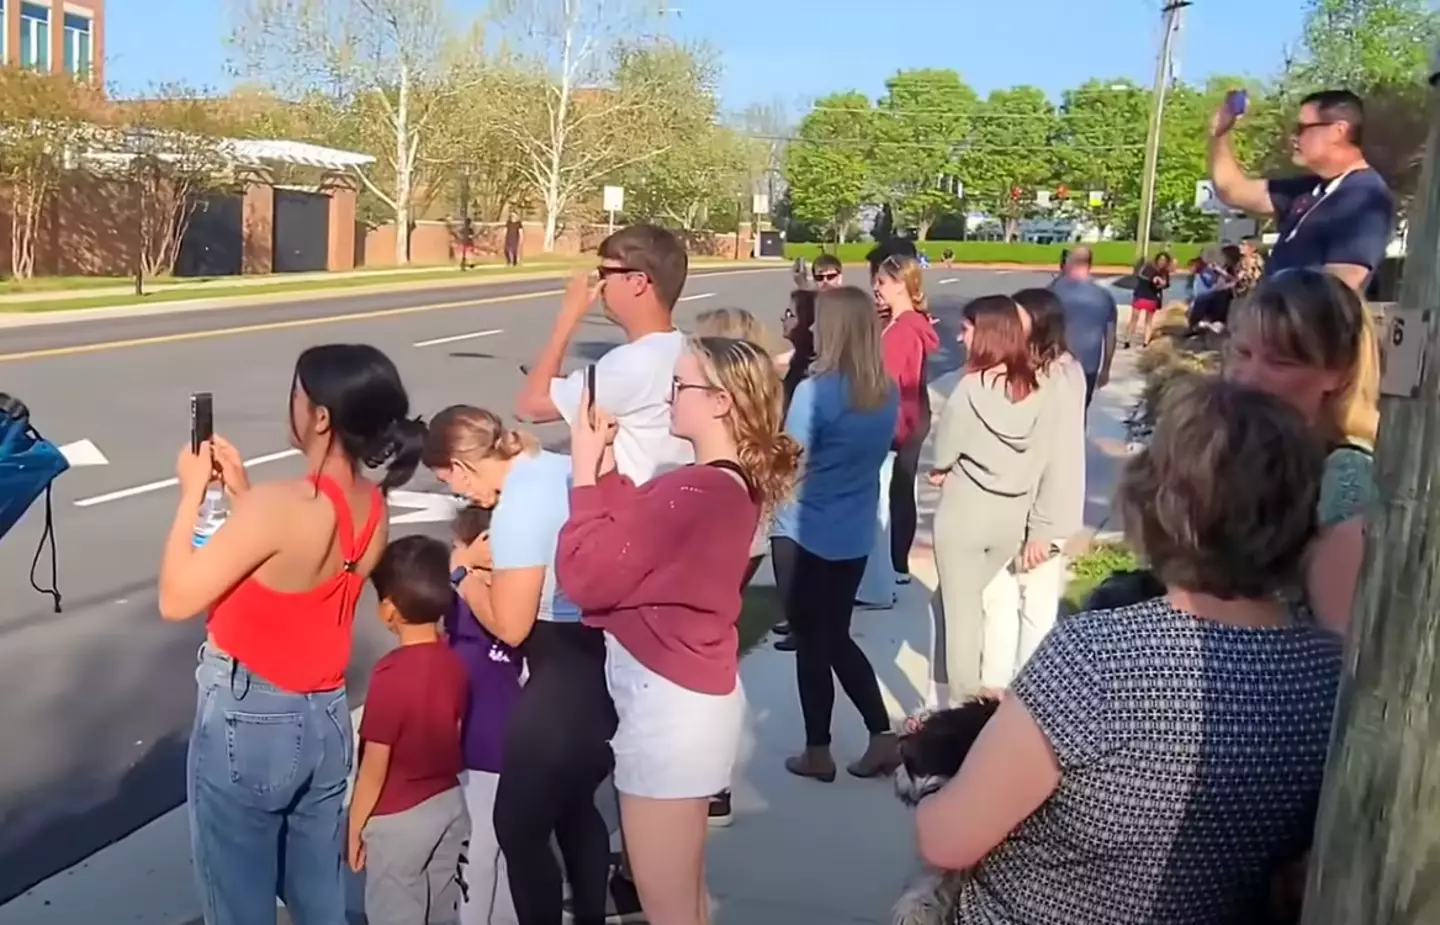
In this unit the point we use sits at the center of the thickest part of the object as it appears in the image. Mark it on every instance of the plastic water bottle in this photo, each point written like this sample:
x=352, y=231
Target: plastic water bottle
x=211, y=517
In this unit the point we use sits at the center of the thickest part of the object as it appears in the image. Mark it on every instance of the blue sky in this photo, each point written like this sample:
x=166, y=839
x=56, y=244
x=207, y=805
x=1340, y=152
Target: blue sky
x=791, y=51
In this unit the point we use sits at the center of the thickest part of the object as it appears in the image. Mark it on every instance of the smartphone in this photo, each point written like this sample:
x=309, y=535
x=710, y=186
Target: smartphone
x=1237, y=101
x=202, y=419
x=590, y=391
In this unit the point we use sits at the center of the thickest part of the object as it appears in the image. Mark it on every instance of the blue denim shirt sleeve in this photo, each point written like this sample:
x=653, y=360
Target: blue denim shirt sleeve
x=800, y=421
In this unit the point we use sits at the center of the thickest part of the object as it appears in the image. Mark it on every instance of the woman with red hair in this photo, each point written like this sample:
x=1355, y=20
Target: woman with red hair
x=989, y=454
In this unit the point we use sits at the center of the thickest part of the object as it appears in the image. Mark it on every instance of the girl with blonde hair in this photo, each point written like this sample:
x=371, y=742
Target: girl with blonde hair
x=659, y=567
x=555, y=750
x=844, y=416
x=1308, y=339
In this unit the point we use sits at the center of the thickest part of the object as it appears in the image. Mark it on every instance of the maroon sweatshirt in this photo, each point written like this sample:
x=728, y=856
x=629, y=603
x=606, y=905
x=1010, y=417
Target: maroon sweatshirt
x=659, y=567
x=905, y=344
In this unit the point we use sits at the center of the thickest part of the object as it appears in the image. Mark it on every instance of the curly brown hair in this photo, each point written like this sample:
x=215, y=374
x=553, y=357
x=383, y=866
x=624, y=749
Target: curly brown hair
x=1223, y=499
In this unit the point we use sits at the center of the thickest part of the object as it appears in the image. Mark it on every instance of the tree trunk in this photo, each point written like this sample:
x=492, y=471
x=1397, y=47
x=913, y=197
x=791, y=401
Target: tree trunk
x=1376, y=857
x=554, y=193
x=404, y=169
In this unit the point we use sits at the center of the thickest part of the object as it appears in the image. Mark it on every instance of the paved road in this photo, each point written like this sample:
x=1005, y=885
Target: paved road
x=96, y=702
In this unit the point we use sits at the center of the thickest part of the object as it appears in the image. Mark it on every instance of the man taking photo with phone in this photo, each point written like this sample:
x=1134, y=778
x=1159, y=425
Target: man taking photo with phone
x=1339, y=215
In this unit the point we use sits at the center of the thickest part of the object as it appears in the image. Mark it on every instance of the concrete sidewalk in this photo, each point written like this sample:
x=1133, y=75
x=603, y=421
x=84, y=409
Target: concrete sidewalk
x=799, y=853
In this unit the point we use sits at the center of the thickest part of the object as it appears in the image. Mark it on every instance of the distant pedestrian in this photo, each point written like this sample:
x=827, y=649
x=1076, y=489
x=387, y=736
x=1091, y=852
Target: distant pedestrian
x=1339, y=215
x=1153, y=278
x=408, y=821
x=514, y=239
x=1090, y=320
x=799, y=324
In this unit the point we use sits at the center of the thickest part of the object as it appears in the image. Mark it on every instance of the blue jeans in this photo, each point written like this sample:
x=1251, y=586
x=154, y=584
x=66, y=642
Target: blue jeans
x=265, y=780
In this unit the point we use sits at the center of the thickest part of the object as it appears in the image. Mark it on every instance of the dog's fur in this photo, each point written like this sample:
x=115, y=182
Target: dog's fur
x=930, y=755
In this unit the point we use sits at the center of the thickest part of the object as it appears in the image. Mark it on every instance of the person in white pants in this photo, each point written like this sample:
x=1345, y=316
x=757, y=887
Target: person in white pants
x=1021, y=604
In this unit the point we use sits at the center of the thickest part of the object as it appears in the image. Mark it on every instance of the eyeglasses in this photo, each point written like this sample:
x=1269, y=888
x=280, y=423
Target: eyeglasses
x=676, y=387
x=1300, y=128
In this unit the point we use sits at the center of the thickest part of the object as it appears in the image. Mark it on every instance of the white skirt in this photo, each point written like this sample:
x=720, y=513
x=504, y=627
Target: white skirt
x=672, y=743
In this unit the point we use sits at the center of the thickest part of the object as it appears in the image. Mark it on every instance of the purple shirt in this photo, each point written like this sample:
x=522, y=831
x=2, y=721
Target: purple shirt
x=494, y=671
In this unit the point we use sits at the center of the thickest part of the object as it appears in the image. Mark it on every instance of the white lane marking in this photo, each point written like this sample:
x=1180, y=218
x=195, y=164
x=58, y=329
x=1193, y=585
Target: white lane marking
x=697, y=296
x=946, y=282
x=83, y=453
x=453, y=338
x=425, y=507
x=170, y=482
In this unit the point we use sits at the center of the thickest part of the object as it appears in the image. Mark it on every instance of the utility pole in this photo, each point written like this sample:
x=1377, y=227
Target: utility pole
x=1376, y=856
x=1152, y=139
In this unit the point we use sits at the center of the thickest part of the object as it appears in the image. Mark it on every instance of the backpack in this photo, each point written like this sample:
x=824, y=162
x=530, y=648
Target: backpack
x=29, y=465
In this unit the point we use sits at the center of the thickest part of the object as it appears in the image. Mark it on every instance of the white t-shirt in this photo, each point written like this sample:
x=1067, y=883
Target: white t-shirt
x=632, y=383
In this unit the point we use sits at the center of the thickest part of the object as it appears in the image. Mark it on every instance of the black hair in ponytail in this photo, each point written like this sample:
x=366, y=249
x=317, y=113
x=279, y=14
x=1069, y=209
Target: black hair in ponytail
x=368, y=406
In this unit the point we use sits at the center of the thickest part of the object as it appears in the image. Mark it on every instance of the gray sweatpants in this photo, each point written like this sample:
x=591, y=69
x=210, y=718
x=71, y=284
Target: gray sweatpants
x=412, y=862
x=976, y=535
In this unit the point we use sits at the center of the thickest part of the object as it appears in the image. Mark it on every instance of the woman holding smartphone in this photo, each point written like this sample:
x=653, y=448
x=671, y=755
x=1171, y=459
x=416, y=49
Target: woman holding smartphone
x=659, y=568
x=271, y=748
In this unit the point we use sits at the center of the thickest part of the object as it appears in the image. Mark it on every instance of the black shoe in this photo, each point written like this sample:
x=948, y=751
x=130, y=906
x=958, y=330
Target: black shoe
x=720, y=813
x=785, y=644
x=622, y=906
x=781, y=629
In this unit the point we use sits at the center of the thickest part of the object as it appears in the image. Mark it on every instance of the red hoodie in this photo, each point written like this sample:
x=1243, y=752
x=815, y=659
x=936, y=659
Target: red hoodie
x=905, y=344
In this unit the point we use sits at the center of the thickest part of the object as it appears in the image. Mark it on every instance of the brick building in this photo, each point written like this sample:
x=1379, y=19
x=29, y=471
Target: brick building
x=59, y=36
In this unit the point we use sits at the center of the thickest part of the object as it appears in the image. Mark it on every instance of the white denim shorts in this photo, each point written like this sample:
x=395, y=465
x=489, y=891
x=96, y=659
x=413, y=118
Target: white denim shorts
x=672, y=743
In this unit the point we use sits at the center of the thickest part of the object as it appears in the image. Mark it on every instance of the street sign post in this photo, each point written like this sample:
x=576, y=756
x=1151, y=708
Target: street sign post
x=760, y=204
x=1206, y=200
x=613, y=201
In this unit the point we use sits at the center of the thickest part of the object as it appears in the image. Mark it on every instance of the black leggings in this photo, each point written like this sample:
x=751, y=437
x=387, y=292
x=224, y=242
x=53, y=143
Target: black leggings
x=557, y=753
x=903, y=513
x=819, y=596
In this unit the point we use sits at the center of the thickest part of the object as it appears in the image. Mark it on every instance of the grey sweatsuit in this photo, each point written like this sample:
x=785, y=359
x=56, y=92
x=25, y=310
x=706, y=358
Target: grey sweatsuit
x=994, y=451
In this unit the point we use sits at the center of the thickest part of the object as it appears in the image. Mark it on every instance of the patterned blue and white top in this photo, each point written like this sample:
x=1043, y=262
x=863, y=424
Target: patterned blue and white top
x=1191, y=754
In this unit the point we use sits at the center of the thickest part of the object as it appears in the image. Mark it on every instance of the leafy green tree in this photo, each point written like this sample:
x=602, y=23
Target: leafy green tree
x=828, y=166
x=1100, y=145
x=1009, y=150
x=919, y=127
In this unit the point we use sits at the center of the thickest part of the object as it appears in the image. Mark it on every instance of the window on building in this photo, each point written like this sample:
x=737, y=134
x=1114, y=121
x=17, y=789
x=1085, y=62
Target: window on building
x=79, y=46
x=35, y=36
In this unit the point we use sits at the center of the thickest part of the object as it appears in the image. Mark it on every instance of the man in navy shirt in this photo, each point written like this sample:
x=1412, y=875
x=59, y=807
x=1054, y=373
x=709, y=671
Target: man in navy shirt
x=1090, y=317
x=1339, y=215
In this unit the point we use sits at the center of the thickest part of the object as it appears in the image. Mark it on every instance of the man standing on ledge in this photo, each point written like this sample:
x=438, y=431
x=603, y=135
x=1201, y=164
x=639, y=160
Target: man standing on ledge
x=1339, y=215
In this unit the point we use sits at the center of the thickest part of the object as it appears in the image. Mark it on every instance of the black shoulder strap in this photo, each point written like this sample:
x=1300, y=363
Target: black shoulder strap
x=1357, y=447
x=729, y=465
x=48, y=535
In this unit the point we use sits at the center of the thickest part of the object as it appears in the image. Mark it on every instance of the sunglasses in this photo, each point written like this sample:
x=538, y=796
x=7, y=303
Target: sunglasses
x=607, y=272
x=826, y=277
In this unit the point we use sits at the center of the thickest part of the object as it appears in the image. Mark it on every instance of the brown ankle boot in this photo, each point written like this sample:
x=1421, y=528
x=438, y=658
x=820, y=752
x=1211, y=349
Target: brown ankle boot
x=814, y=763
x=881, y=758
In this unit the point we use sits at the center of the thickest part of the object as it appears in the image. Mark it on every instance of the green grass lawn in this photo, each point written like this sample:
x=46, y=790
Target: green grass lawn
x=1087, y=571
x=760, y=610
x=1107, y=253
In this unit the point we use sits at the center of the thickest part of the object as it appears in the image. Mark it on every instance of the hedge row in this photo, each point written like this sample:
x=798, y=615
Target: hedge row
x=1107, y=253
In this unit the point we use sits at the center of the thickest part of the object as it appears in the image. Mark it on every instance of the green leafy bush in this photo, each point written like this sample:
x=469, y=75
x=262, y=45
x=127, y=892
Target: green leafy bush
x=1098, y=563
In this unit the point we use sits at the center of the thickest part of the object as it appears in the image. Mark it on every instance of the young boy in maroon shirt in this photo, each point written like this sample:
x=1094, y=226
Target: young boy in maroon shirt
x=408, y=822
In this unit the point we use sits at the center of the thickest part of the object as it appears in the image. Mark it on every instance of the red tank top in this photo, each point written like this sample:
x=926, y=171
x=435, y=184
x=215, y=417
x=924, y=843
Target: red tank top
x=300, y=641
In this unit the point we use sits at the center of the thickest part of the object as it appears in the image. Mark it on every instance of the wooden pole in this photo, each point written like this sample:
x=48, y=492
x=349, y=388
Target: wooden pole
x=1152, y=138
x=1376, y=859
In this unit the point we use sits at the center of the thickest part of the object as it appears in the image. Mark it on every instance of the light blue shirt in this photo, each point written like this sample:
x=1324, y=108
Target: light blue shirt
x=832, y=513
x=525, y=526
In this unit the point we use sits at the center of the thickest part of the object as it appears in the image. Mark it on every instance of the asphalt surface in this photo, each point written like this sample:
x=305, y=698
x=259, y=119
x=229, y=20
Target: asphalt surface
x=96, y=702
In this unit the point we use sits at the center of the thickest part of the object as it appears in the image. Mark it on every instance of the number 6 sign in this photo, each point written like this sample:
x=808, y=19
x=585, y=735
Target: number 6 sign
x=1402, y=361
